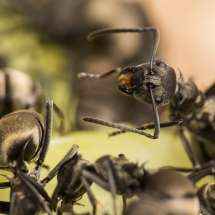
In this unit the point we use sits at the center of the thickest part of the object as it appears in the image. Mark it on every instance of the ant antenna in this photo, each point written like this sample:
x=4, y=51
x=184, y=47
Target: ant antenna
x=155, y=32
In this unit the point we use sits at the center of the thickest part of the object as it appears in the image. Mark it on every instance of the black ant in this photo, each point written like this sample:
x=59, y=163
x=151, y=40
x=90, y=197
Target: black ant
x=71, y=184
x=153, y=82
x=115, y=174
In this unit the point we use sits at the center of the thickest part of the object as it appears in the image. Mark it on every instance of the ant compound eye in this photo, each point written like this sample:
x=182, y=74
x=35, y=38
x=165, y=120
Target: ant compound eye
x=125, y=83
x=125, y=79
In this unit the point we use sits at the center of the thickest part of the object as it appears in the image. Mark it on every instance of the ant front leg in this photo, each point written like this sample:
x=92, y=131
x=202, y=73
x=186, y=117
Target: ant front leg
x=69, y=156
x=129, y=129
x=156, y=116
x=118, y=126
x=46, y=137
x=150, y=126
x=188, y=149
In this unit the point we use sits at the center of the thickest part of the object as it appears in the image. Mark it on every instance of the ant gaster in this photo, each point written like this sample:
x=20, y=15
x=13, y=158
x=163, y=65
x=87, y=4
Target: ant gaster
x=25, y=132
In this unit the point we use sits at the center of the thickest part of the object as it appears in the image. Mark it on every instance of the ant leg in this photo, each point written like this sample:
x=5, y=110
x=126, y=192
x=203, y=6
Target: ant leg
x=149, y=126
x=60, y=114
x=94, y=178
x=180, y=169
x=46, y=137
x=188, y=149
x=112, y=184
x=54, y=201
x=4, y=207
x=28, y=183
x=124, y=199
x=118, y=126
x=156, y=115
x=8, y=101
x=40, y=189
x=84, y=75
x=198, y=175
x=129, y=129
x=90, y=195
x=69, y=155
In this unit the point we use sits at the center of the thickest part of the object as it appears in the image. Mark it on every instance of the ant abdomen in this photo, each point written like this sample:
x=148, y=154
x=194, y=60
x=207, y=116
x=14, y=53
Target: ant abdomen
x=20, y=133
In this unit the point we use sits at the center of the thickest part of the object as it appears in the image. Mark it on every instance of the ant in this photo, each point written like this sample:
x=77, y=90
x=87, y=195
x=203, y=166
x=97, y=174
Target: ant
x=24, y=136
x=117, y=175
x=156, y=82
x=25, y=132
x=71, y=184
x=153, y=82
x=27, y=196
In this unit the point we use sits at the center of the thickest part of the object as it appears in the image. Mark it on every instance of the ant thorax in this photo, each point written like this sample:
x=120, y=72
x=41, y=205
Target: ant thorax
x=161, y=78
x=187, y=101
x=128, y=175
x=207, y=113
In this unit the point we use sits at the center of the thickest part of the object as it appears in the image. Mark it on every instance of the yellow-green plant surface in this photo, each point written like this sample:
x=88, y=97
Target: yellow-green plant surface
x=165, y=151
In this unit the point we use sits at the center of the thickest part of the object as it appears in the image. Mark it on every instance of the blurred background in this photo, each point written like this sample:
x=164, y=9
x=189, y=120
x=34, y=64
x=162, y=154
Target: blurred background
x=43, y=47
x=46, y=40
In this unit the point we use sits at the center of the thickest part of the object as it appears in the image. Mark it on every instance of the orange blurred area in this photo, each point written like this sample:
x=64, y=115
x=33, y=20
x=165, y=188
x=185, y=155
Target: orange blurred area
x=187, y=31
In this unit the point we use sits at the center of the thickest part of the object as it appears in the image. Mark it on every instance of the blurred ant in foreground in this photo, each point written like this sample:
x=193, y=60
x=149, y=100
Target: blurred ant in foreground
x=24, y=136
x=118, y=176
x=24, y=132
x=19, y=91
x=156, y=82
